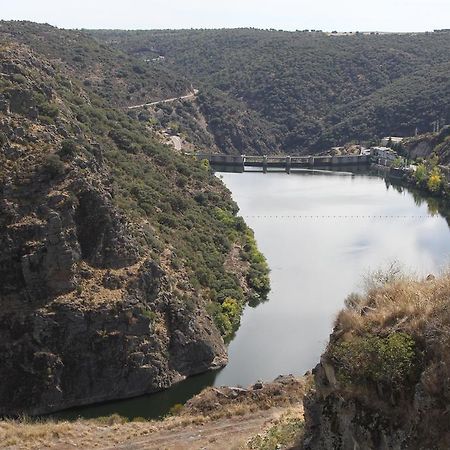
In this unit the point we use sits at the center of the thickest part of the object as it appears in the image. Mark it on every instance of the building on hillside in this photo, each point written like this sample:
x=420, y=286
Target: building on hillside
x=383, y=155
x=392, y=139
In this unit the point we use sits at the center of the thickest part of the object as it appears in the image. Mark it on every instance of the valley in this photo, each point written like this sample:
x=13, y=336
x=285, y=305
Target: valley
x=143, y=285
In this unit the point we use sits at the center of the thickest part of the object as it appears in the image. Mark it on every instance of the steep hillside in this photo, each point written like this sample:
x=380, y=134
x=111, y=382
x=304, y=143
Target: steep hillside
x=268, y=91
x=430, y=145
x=383, y=381
x=105, y=70
x=121, y=79
x=123, y=265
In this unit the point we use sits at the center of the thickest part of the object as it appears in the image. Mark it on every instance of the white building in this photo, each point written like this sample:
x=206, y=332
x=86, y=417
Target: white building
x=385, y=155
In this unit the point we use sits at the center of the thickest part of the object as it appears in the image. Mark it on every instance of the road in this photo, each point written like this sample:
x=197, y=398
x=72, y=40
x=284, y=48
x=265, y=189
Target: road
x=167, y=100
x=221, y=434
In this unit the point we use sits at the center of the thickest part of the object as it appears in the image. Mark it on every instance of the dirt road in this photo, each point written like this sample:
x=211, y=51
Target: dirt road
x=167, y=100
x=224, y=434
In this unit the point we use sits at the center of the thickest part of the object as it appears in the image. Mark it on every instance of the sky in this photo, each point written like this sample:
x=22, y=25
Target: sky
x=326, y=15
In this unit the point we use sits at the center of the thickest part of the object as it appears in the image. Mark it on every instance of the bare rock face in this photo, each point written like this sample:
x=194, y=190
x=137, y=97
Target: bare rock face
x=86, y=316
x=67, y=354
x=89, y=309
x=50, y=267
x=101, y=232
x=338, y=419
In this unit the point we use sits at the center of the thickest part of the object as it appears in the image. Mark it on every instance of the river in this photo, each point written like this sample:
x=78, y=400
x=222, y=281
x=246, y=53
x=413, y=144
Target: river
x=321, y=234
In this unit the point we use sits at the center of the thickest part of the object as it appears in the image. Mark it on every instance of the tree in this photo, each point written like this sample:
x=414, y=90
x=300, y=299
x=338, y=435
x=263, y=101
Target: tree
x=421, y=173
x=435, y=180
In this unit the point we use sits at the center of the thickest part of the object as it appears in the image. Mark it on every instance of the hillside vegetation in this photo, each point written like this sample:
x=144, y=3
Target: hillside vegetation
x=268, y=91
x=124, y=265
x=105, y=70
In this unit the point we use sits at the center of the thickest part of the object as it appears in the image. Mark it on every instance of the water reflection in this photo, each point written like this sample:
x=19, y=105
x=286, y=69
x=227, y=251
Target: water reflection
x=151, y=406
x=321, y=234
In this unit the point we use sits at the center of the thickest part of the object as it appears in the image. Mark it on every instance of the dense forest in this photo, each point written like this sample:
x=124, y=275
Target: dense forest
x=268, y=91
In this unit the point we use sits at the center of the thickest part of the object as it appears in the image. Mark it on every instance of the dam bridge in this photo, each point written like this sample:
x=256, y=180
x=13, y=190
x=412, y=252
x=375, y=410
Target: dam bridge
x=285, y=163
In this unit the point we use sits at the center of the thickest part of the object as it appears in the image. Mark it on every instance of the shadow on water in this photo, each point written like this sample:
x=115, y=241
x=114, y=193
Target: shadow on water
x=152, y=406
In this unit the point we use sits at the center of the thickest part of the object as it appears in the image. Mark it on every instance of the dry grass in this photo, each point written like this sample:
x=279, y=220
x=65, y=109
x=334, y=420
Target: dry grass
x=284, y=432
x=86, y=434
x=419, y=308
x=26, y=434
x=227, y=402
x=403, y=304
x=209, y=406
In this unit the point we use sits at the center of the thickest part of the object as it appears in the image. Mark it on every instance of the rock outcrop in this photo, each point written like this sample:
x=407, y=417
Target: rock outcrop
x=85, y=317
x=383, y=382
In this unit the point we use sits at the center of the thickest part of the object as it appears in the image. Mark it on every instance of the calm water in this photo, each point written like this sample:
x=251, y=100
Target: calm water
x=321, y=233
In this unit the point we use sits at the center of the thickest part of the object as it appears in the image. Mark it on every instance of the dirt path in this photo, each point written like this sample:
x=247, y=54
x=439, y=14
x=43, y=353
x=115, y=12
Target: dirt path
x=177, y=143
x=224, y=434
x=167, y=100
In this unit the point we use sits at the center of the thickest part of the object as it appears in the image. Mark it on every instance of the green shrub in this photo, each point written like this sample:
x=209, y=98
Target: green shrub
x=48, y=110
x=176, y=409
x=224, y=325
x=420, y=174
x=19, y=78
x=149, y=314
x=53, y=166
x=434, y=182
x=68, y=149
x=232, y=309
x=391, y=360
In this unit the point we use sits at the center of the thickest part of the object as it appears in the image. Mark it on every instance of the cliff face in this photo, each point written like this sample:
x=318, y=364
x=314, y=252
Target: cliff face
x=99, y=297
x=429, y=145
x=383, y=382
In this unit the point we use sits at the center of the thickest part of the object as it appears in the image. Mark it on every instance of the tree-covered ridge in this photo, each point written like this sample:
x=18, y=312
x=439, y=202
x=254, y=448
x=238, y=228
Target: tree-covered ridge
x=305, y=91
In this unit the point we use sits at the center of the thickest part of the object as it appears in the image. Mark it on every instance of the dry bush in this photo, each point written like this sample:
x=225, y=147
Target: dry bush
x=400, y=304
x=397, y=333
x=32, y=434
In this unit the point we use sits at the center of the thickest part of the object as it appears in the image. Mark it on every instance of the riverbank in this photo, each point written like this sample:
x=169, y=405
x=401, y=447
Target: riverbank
x=229, y=417
x=397, y=396
x=383, y=381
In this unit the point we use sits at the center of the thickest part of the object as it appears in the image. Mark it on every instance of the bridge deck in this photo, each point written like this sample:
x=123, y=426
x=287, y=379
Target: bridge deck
x=285, y=162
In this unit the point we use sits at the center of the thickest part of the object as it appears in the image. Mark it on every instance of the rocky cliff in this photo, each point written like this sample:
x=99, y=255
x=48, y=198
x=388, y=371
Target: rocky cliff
x=383, y=382
x=430, y=145
x=115, y=251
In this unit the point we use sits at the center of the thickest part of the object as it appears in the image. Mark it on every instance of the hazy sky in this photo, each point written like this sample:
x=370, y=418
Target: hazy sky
x=328, y=15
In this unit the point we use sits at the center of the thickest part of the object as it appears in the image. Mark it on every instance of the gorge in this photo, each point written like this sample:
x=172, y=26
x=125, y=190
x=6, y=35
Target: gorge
x=134, y=275
x=321, y=232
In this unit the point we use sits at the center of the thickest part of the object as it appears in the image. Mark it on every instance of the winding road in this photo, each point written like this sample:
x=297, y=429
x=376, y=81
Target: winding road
x=167, y=100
